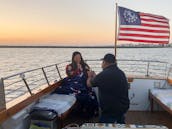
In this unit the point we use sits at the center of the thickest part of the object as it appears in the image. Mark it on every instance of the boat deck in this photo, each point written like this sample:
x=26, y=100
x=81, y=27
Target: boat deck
x=132, y=117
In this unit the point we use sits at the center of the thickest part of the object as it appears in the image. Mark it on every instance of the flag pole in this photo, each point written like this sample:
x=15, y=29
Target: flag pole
x=115, y=43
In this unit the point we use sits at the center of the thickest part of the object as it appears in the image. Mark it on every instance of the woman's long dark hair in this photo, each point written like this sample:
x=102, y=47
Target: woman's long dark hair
x=74, y=65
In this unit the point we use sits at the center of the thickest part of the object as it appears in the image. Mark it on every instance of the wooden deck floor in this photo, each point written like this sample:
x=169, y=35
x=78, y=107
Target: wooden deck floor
x=155, y=118
x=132, y=117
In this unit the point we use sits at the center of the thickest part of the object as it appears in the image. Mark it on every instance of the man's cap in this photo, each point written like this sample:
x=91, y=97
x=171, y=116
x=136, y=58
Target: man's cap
x=110, y=58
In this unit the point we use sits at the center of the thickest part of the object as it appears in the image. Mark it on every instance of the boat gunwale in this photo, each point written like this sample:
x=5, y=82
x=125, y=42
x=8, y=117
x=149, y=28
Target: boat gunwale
x=14, y=109
x=7, y=113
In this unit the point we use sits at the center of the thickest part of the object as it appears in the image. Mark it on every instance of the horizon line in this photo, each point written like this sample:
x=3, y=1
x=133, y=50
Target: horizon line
x=87, y=46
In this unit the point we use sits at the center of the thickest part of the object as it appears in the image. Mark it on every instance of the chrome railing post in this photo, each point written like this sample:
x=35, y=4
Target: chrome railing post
x=2, y=95
x=166, y=72
x=147, y=73
x=45, y=76
x=25, y=82
x=58, y=72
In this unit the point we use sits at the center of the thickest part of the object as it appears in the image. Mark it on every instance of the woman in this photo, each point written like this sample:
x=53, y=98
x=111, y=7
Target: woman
x=78, y=68
x=77, y=74
x=75, y=83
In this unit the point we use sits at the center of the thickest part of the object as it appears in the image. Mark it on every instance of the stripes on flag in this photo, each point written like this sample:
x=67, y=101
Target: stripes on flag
x=152, y=28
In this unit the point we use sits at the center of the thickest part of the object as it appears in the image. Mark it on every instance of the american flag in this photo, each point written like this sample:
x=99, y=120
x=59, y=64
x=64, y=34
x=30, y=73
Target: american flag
x=142, y=27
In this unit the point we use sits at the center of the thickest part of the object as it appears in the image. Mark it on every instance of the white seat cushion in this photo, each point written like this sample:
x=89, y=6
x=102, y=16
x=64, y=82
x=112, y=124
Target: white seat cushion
x=164, y=95
x=58, y=102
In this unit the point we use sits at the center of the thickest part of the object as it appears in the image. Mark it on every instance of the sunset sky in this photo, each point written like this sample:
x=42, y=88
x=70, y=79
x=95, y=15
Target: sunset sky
x=67, y=22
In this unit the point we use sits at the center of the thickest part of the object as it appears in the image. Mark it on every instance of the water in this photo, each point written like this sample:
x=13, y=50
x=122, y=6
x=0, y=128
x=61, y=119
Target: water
x=15, y=60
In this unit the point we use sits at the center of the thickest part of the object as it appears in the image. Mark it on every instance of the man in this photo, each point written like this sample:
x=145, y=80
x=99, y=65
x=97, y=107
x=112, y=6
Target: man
x=113, y=91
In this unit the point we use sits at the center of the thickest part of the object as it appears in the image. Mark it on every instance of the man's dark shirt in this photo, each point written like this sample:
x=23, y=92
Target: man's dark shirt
x=113, y=91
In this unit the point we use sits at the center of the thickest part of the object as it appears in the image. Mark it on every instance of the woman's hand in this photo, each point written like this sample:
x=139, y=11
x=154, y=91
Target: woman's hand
x=69, y=71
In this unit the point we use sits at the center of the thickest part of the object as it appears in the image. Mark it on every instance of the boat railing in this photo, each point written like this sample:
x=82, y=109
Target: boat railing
x=30, y=82
x=138, y=68
x=27, y=83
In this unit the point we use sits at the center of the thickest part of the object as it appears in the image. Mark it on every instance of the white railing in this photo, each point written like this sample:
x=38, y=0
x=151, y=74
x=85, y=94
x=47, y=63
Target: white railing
x=137, y=68
x=32, y=81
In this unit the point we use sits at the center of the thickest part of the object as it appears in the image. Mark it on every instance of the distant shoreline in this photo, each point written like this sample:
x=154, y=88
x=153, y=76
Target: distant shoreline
x=4, y=46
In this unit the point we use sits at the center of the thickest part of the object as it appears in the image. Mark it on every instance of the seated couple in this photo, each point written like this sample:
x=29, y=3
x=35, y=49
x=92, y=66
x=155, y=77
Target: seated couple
x=112, y=86
x=76, y=83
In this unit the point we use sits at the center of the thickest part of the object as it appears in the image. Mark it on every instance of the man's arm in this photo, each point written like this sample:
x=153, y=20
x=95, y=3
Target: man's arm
x=93, y=79
x=89, y=82
x=91, y=76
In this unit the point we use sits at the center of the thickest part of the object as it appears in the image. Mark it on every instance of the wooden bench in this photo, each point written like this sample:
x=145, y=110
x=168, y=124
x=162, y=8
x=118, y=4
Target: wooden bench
x=163, y=97
x=59, y=103
x=12, y=110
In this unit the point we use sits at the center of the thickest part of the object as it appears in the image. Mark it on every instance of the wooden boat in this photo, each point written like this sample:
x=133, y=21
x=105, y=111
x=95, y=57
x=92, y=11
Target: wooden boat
x=149, y=91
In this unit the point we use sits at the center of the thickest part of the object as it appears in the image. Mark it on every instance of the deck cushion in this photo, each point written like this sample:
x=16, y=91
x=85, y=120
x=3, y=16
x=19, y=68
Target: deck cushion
x=43, y=115
x=164, y=95
x=56, y=102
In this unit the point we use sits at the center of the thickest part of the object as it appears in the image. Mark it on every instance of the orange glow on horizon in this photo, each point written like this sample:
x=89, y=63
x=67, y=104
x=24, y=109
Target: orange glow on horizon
x=66, y=22
x=32, y=34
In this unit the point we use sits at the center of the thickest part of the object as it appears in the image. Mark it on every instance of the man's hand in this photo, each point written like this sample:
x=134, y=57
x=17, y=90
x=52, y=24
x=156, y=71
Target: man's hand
x=91, y=75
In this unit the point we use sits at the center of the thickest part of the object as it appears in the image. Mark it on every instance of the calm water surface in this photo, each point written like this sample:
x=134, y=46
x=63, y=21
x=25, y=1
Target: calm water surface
x=14, y=60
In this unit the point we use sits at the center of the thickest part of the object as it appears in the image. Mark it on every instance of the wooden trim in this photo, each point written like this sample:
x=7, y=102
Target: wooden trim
x=5, y=114
x=159, y=102
x=130, y=79
x=2, y=109
x=146, y=77
x=169, y=81
x=151, y=101
x=65, y=114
